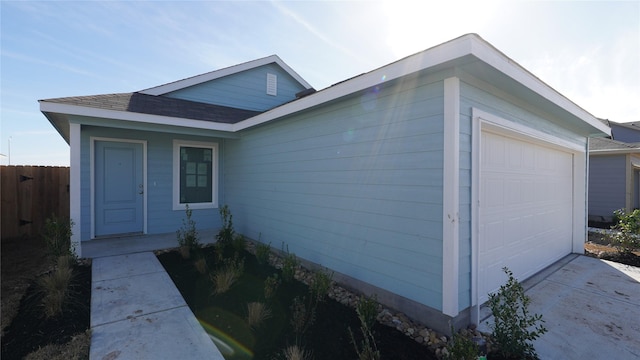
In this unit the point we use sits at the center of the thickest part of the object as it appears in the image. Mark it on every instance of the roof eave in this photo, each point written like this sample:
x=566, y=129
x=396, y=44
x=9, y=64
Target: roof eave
x=470, y=44
x=49, y=108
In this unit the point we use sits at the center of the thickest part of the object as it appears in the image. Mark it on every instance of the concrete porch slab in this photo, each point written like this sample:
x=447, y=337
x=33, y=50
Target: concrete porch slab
x=591, y=309
x=123, y=266
x=120, y=245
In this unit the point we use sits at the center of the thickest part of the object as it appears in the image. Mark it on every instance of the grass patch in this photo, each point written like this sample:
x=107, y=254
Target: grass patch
x=257, y=313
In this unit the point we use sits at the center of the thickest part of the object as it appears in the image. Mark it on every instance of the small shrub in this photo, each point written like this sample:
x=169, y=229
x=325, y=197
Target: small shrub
x=512, y=320
x=626, y=237
x=239, y=243
x=302, y=315
x=257, y=312
x=262, y=253
x=56, y=287
x=461, y=347
x=225, y=277
x=295, y=352
x=289, y=265
x=57, y=236
x=225, y=235
x=367, y=310
x=321, y=284
x=271, y=284
x=188, y=235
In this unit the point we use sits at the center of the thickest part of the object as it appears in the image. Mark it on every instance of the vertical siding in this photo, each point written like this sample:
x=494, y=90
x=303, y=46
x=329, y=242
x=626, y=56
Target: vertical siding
x=607, y=184
x=244, y=90
x=474, y=95
x=355, y=186
x=161, y=218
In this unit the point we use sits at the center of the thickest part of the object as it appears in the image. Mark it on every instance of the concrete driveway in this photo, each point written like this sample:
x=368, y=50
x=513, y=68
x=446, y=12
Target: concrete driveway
x=591, y=309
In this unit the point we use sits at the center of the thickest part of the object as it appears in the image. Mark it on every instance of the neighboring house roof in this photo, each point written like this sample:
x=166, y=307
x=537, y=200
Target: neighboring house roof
x=604, y=146
x=159, y=105
x=199, y=79
x=470, y=53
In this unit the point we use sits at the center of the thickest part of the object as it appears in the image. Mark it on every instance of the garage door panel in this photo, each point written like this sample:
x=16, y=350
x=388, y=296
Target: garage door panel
x=526, y=208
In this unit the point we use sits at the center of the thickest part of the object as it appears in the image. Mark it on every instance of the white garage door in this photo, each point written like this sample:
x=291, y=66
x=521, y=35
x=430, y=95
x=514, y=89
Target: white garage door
x=525, y=217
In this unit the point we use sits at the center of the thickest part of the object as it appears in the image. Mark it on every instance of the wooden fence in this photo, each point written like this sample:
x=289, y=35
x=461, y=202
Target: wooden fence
x=31, y=194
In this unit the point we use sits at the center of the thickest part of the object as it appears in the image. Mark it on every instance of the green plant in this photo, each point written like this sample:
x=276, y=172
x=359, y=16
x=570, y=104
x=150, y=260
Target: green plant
x=626, y=237
x=226, y=276
x=289, y=265
x=303, y=315
x=239, y=243
x=188, y=235
x=257, y=312
x=461, y=347
x=367, y=310
x=271, y=284
x=57, y=236
x=321, y=284
x=512, y=320
x=262, y=253
x=225, y=235
x=55, y=287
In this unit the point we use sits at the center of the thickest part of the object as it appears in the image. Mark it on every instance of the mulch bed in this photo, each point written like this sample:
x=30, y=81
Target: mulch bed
x=30, y=329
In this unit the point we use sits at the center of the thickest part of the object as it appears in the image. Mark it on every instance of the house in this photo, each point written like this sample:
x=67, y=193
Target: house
x=614, y=172
x=417, y=181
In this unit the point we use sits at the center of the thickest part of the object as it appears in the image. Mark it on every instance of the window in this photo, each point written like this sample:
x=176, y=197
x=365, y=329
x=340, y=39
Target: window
x=195, y=170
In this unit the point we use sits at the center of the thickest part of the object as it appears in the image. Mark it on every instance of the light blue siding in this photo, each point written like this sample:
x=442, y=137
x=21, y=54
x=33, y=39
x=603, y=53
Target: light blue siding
x=607, y=185
x=355, y=186
x=244, y=90
x=161, y=218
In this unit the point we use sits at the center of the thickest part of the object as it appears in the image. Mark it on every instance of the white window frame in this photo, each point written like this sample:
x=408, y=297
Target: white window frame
x=177, y=144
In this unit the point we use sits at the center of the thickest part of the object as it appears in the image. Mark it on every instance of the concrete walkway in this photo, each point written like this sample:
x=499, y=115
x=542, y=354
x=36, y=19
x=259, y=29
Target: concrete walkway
x=591, y=309
x=138, y=313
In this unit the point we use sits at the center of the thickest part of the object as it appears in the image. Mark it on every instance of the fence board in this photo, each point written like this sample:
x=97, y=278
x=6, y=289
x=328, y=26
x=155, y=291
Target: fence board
x=30, y=195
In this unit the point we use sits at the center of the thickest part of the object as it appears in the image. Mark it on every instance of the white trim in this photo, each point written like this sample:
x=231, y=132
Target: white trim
x=470, y=44
x=615, y=151
x=450, y=197
x=92, y=144
x=176, y=205
x=199, y=79
x=483, y=121
x=75, y=184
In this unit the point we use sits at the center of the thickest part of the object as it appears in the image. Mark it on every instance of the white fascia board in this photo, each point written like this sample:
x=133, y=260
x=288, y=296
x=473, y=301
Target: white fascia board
x=492, y=56
x=198, y=79
x=440, y=54
x=131, y=116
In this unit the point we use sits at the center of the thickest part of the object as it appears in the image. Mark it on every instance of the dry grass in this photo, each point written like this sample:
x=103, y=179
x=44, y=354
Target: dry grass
x=257, y=312
x=201, y=265
x=56, y=287
x=294, y=352
x=223, y=279
x=76, y=349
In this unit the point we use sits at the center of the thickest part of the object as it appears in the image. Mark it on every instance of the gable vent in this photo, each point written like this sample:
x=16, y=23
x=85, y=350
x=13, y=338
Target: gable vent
x=272, y=84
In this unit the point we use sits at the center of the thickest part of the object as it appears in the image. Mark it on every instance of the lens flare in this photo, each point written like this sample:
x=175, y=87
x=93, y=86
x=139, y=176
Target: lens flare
x=227, y=345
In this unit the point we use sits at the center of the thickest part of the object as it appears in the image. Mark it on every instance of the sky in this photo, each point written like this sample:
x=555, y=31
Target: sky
x=587, y=51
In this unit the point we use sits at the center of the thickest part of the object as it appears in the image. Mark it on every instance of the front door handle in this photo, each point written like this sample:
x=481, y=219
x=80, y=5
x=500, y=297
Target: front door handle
x=140, y=189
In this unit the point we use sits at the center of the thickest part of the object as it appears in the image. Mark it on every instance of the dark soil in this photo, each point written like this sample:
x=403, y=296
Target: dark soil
x=327, y=338
x=599, y=247
x=30, y=329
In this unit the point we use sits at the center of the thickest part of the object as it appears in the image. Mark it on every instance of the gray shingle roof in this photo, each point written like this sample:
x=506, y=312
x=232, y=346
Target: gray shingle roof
x=608, y=144
x=159, y=105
